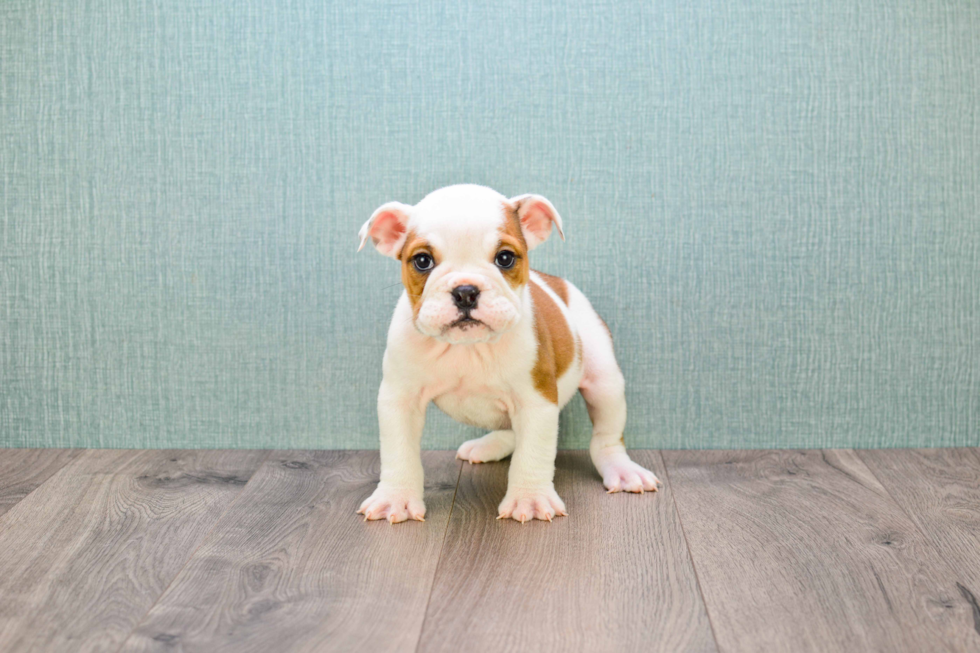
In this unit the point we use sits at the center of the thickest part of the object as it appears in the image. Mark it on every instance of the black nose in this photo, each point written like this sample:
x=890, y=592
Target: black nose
x=465, y=296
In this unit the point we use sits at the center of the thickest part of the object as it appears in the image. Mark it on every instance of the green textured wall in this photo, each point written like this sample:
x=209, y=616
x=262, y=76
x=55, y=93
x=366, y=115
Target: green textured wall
x=774, y=204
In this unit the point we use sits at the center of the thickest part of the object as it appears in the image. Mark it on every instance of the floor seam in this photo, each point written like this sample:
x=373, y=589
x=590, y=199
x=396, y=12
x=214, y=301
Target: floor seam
x=928, y=540
x=892, y=498
x=442, y=548
x=193, y=553
x=70, y=461
x=690, y=554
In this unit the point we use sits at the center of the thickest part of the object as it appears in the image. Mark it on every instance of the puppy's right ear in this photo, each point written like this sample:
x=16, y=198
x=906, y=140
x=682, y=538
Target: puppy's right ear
x=536, y=215
x=387, y=228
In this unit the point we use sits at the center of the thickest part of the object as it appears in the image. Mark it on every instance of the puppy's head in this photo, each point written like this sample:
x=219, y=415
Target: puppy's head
x=463, y=251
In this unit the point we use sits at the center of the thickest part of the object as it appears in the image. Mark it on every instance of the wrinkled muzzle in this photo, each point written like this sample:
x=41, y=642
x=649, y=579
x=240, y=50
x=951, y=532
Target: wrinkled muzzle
x=461, y=308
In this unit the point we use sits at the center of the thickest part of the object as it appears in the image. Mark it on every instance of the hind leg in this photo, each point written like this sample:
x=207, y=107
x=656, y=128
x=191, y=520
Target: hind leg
x=493, y=446
x=604, y=391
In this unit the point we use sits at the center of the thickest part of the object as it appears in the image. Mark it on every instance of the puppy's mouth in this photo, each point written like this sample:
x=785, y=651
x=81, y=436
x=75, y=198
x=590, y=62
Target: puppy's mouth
x=465, y=322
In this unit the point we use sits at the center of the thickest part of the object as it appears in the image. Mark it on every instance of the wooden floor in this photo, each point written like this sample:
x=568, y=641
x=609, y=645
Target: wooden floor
x=262, y=551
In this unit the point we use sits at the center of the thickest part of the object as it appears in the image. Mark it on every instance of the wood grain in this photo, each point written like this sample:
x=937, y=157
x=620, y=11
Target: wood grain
x=87, y=553
x=940, y=491
x=612, y=576
x=291, y=567
x=806, y=551
x=22, y=470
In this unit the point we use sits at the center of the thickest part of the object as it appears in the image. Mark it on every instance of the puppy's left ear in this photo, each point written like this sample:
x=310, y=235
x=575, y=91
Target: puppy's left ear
x=537, y=215
x=387, y=228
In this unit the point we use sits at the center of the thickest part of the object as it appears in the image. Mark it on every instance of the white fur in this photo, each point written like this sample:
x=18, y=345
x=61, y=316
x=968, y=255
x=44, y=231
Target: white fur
x=481, y=375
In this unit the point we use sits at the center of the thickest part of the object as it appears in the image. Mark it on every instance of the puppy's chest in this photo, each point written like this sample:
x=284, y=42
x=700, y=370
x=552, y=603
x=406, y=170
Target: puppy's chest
x=471, y=374
x=477, y=390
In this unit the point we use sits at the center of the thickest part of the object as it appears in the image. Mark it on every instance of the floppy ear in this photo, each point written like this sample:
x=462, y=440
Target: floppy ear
x=536, y=215
x=386, y=228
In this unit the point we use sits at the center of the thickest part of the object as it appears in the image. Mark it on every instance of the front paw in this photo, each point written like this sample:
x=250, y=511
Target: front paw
x=525, y=505
x=623, y=475
x=395, y=505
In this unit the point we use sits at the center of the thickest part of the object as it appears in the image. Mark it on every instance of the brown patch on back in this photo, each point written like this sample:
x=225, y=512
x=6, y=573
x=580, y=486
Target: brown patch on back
x=556, y=347
x=412, y=279
x=557, y=284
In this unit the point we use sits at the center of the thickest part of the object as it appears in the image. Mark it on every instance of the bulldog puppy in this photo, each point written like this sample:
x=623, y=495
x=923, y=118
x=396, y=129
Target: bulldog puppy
x=495, y=345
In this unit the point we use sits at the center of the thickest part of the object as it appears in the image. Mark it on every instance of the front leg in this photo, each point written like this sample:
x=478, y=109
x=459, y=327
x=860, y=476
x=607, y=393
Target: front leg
x=530, y=483
x=399, y=493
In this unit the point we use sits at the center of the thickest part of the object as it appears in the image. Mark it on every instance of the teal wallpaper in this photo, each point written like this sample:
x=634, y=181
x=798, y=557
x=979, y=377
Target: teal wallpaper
x=774, y=203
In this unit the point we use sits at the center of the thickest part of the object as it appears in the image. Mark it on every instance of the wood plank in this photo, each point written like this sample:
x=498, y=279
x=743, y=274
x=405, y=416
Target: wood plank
x=22, y=470
x=612, y=576
x=940, y=491
x=806, y=551
x=291, y=567
x=87, y=553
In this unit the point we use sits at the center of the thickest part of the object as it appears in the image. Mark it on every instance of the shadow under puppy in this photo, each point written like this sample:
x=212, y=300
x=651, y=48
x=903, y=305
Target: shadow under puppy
x=495, y=345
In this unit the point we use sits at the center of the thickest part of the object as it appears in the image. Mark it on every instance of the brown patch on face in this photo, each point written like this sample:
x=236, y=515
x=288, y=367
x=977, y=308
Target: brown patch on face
x=412, y=279
x=512, y=238
x=557, y=284
x=556, y=348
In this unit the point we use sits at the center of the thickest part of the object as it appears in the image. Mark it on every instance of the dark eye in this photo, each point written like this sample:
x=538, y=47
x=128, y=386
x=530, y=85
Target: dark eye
x=505, y=259
x=423, y=262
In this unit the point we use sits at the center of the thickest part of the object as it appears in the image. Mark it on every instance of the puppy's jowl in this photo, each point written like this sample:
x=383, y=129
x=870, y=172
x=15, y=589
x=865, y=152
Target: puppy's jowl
x=494, y=344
